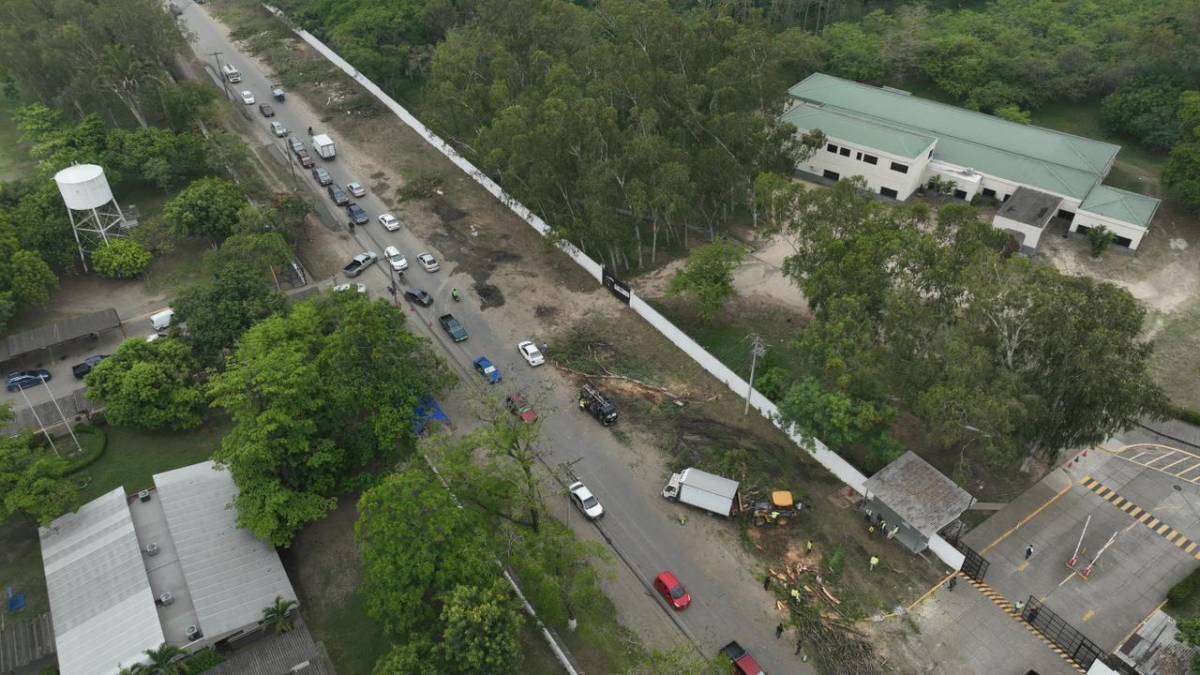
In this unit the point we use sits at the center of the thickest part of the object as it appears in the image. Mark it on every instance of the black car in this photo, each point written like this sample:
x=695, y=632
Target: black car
x=419, y=296
x=81, y=370
x=266, y=110
x=338, y=195
x=322, y=176
x=24, y=379
x=357, y=215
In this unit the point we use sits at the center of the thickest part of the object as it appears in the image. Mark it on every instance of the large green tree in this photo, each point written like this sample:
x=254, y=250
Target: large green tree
x=318, y=396
x=219, y=310
x=150, y=385
x=207, y=208
x=481, y=630
x=708, y=276
x=32, y=481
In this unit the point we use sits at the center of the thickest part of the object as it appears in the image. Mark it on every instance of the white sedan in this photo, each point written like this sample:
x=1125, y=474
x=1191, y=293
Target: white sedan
x=585, y=500
x=247, y=97
x=531, y=354
x=429, y=262
x=395, y=258
x=360, y=288
x=356, y=189
x=389, y=222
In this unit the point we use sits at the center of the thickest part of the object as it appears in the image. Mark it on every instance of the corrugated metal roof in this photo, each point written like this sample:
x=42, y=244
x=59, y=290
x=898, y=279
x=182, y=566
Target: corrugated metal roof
x=1043, y=158
x=1127, y=207
x=100, y=597
x=867, y=132
x=58, y=332
x=231, y=574
x=920, y=494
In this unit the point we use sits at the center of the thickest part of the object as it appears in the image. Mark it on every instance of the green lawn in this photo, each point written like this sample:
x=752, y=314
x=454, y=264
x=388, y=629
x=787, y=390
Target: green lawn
x=134, y=456
x=14, y=157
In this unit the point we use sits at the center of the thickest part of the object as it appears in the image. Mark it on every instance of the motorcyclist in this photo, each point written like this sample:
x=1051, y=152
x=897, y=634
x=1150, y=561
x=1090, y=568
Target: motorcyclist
x=454, y=294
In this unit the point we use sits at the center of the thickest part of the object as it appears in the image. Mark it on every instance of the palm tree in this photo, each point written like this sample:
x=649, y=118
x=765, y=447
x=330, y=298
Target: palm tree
x=279, y=614
x=166, y=660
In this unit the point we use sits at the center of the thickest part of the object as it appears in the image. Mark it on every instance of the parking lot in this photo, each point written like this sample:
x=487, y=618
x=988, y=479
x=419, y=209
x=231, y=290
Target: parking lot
x=1153, y=515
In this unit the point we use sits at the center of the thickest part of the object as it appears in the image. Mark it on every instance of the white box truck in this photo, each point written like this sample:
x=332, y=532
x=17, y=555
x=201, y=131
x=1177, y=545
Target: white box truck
x=231, y=73
x=161, y=319
x=323, y=144
x=703, y=490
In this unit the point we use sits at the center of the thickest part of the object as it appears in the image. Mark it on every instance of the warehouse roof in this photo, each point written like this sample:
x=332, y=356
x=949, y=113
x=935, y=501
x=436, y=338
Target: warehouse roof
x=1049, y=160
x=885, y=138
x=100, y=598
x=1127, y=207
x=231, y=574
x=920, y=494
x=58, y=332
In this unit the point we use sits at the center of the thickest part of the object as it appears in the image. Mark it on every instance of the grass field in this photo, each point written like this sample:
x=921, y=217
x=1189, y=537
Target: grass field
x=134, y=456
x=14, y=157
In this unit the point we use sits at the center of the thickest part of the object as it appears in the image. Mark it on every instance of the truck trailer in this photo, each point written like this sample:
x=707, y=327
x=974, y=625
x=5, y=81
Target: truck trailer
x=703, y=490
x=323, y=145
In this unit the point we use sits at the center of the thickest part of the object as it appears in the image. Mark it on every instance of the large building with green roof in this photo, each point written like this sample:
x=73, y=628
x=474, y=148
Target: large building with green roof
x=898, y=142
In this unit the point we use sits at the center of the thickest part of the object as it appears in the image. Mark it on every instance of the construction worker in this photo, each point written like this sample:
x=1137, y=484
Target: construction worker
x=808, y=546
x=874, y=562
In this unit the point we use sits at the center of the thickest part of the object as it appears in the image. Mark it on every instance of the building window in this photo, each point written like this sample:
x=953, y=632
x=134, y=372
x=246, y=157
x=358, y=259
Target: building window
x=870, y=159
x=831, y=175
x=1063, y=213
x=989, y=192
x=1123, y=241
x=1003, y=198
x=888, y=192
x=960, y=194
x=858, y=155
x=845, y=152
x=831, y=147
x=899, y=168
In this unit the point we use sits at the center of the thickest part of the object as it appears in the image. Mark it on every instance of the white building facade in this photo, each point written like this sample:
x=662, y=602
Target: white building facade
x=898, y=142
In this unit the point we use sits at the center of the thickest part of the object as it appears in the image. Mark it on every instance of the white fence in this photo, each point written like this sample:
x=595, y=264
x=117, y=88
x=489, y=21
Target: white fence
x=830, y=460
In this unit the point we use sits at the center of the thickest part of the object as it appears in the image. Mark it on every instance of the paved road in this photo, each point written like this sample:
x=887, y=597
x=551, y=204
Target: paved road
x=643, y=529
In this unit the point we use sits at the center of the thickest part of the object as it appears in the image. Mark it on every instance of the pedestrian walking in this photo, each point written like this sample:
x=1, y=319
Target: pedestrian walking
x=808, y=546
x=766, y=582
x=874, y=562
x=799, y=646
x=778, y=631
x=953, y=582
x=1028, y=551
x=1020, y=606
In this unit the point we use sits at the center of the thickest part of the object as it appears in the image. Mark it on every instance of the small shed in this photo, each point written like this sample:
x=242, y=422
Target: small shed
x=914, y=501
x=1026, y=214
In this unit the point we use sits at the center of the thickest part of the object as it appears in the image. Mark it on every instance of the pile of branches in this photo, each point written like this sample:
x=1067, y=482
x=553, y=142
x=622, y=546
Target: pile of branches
x=826, y=634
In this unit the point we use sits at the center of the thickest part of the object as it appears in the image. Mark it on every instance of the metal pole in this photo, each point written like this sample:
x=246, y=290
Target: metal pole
x=758, y=348
x=1087, y=571
x=221, y=73
x=61, y=416
x=1075, y=555
x=39, y=421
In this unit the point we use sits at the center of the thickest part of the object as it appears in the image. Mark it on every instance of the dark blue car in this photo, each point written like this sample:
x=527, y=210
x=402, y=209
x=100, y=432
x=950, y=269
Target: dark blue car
x=24, y=379
x=485, y=368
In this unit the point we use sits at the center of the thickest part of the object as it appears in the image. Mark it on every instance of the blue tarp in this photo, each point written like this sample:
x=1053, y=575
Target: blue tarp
x=429, y=411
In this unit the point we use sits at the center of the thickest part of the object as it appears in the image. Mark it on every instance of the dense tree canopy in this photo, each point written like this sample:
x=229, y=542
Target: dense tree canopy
x=219, y=310
x=150, y=385
x=121, y=259
x=996, y=352
x=209, y=207
x=32, y=479
x=317, y=397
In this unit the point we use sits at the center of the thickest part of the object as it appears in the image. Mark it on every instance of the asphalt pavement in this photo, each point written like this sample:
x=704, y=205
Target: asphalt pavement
x=643, y=530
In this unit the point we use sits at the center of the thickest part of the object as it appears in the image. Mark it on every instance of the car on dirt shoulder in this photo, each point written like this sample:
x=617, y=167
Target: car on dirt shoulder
x=743, y=663
x=518, y=405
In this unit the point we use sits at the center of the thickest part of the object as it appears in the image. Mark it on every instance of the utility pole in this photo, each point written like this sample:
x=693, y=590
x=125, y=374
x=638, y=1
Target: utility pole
x=221, y=73
x=758, y=347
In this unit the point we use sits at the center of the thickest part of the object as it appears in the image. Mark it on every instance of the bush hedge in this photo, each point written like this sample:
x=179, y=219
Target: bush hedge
x=1182, y=592
x=93, y=441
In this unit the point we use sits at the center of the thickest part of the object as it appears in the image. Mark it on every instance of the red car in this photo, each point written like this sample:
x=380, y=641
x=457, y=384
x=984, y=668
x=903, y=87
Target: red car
x=672, y=591
x=520, y=407
x=743, y=663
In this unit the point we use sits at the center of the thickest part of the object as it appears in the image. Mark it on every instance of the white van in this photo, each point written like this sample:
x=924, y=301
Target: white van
x=231, y=73
x=162, y=319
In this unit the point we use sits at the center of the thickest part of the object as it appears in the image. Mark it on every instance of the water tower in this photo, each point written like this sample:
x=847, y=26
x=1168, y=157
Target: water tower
x=96, y=217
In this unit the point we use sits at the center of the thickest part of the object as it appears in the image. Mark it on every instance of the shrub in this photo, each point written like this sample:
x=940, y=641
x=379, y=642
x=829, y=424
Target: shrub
x=1181, y=592
x=205, y=659
x=121, y=259
x=1182, y=414
x=1100, y=238
x=93, y=441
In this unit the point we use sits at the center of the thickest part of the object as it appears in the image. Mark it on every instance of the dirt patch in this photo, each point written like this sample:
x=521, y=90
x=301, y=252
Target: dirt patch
x=448, y=213
x=489, y=296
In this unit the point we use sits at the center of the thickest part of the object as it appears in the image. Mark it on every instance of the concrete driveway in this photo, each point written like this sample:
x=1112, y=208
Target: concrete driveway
x=1155, y=517
x=643, y=530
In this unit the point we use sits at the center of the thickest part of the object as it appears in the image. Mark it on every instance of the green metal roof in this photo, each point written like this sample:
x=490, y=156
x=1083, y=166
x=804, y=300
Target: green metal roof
x=885, y=138
x=1127, y=207
x=1049, y=160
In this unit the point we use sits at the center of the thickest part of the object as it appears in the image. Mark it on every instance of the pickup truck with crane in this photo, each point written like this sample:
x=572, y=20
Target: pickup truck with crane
x=703, y=490
x=360, y=262
x=453, y=328
x=597, y=405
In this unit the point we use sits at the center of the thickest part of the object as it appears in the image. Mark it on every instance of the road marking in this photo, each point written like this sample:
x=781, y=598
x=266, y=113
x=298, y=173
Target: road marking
x=1068, y=578
x=1088, y=617
x=1022, y=566
x=1160, y=528
x=1181, y=459
x=1169, y=454
x=1007, y=607
x=1139, y=456
x=1027, y=518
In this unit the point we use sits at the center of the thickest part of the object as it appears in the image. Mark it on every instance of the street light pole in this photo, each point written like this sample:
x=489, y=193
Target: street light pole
x=38, y=418
x=61, y=416
x=221, y=73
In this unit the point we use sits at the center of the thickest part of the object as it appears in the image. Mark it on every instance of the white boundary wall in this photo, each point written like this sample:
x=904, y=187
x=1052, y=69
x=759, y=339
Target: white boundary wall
x=830, y=460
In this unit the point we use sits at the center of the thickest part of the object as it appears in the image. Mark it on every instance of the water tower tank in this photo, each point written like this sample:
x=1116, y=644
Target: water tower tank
x=83, y=187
